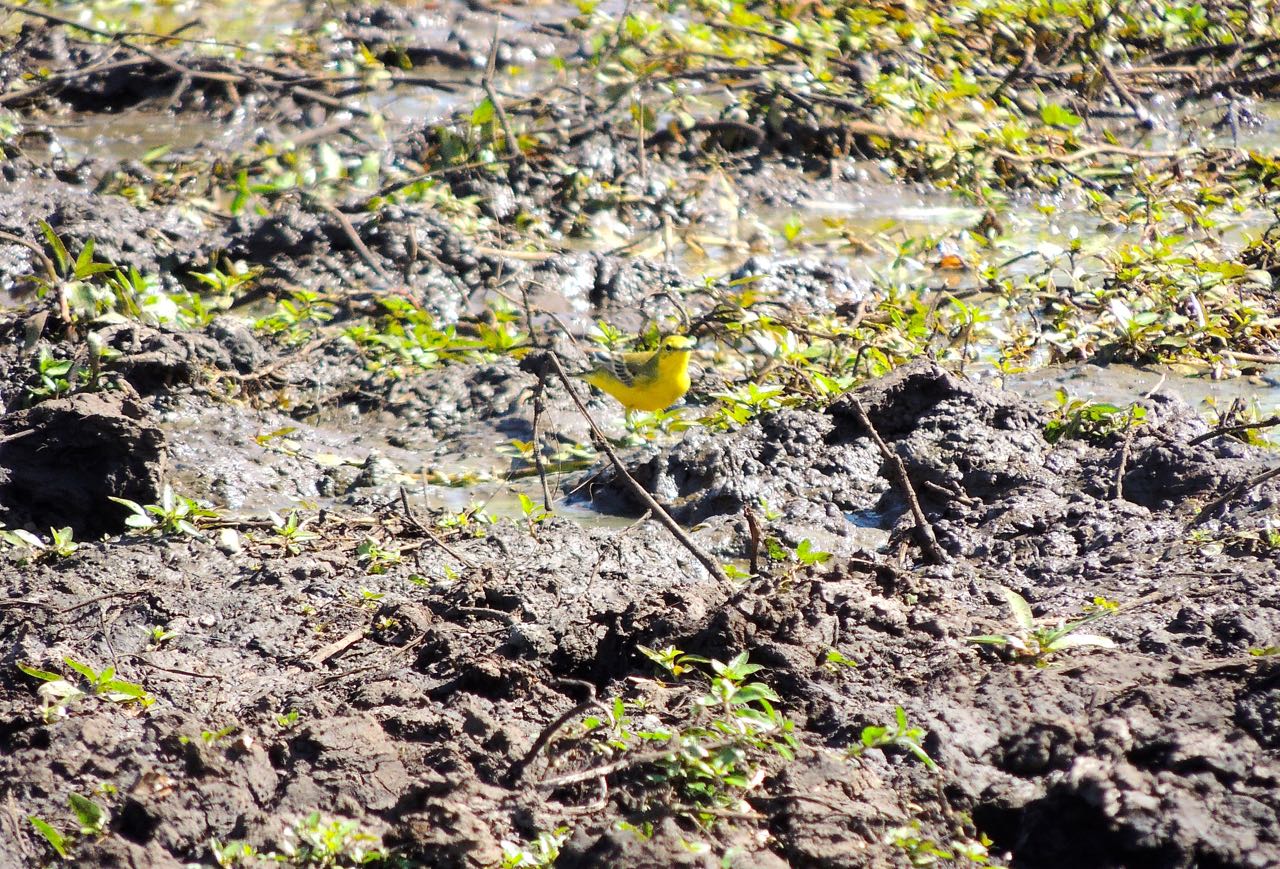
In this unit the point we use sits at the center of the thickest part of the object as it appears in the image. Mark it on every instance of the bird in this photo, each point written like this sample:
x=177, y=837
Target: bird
x=648, y=380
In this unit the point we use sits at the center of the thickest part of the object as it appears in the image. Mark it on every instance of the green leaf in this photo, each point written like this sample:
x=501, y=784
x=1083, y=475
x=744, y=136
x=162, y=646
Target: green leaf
x=808, y=555
x=1058, y=116
x=42, y=675
x=1021, y=609
x=92, y=817
x=59, y=249
x=83, y=669
x=52, y=836
x=483, y=113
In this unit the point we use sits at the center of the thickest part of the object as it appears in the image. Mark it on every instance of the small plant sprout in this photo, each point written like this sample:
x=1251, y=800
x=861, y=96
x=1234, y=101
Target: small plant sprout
x=533, y=511
x=292, y=531
x=313, y=841
x=57, y=693
x=541, y=853
x=174, y=514
x=91, y=820
x=900, y=734
x=808, y=555
x=833, y=661
x=375, y=556
x=158, y=635
x=61, y=542
x=1036, y=643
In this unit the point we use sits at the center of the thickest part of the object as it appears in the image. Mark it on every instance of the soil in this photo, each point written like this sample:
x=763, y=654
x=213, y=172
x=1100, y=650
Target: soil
x=424, y=692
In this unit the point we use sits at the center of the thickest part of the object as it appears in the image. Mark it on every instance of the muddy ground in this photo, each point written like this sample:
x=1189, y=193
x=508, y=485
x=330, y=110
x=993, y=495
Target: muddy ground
x=419, y=688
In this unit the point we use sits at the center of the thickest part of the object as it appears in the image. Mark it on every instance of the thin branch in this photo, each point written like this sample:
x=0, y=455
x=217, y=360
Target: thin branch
x=1233, y=429
x=924, y=531
x=539, y=363
x=1235, y=493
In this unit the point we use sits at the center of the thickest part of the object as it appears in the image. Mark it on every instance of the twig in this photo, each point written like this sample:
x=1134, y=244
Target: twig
x=97, y=598
x=1221, y=430
x=755, y=537
x=1235, y=493
x=620, y=764
x=517, y=769
x=18, y=435
x=404, y=503
x=538, y=407
x=924, y=531
x=1117, y=489
x=538, y=363
x=146, y=662
x=513, y=146
x=337, y=647
x=357, y=242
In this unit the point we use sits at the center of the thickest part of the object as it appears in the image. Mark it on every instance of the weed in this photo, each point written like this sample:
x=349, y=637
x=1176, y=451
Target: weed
x=1036, y=643
x=922, y=851
x=158, y=635
x=175, y=514
x=718, y=755
x=376, y=557
x=316, y=840
x=57, y=692
x=541, y=853
x=292, y=532
x=900, y=734
x=91, y=820
x=1092, y=421
x=61, y=542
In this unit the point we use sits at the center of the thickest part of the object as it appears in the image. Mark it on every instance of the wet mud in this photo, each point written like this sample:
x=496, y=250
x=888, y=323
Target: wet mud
x=435, y=694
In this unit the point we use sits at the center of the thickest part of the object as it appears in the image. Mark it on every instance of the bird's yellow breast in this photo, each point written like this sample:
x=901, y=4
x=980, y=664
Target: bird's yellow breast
x=655, y=390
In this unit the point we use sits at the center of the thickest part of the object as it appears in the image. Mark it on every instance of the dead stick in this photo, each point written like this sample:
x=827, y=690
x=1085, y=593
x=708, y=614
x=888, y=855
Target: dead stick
x=1234, y=429
x=337, y=647
x=408, y=514
x=636, y=489
x=517, y=770
x=1234, y=493
x=1117, y=490
x=924, y=531
x=513, y=146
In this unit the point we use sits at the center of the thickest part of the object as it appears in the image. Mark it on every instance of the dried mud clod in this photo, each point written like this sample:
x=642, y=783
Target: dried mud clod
x=62, y=460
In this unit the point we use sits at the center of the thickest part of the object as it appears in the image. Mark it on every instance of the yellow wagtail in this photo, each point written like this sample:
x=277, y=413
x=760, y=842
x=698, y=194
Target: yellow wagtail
x=648, y=380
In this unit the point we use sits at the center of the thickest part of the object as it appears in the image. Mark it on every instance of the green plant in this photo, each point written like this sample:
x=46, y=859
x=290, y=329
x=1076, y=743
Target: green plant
x=541, y=853
x=375, y=556
x=1093, y=421
x=292, y=531
x=61, y=542
x=534, y=513
x=316, y=840
x=718, y=754
x=920, y=850
x=175, y=514
x=59, y=692
x=1037, y=642
x=899, y=734
x=91, y=819
x=158, y=635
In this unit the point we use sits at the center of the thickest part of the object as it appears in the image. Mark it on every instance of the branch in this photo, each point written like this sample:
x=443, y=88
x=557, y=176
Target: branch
x=924, y=531
x=542, y=361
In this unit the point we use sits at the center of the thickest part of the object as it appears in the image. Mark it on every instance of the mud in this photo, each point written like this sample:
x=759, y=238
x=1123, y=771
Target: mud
x=423, y=696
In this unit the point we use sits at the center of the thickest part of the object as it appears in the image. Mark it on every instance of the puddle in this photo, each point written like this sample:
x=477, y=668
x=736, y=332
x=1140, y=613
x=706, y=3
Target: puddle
x=133, y=134
x=1123, y=384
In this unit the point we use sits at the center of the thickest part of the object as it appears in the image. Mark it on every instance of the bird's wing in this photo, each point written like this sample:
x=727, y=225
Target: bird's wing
x=626, y=367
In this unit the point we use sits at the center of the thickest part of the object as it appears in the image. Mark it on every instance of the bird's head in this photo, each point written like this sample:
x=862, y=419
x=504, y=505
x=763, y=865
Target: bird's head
x=677, y=344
